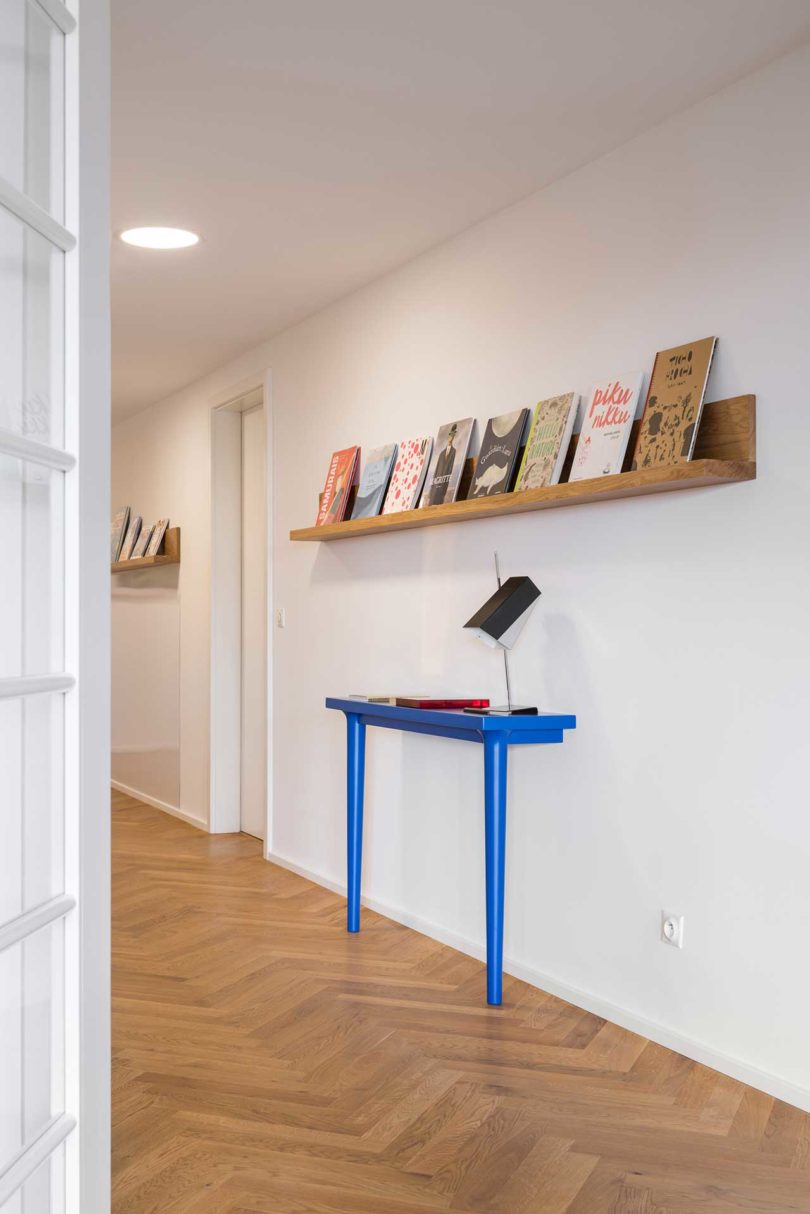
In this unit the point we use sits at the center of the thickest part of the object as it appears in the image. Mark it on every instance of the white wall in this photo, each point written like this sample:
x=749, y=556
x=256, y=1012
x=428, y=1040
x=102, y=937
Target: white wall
x=674, y=626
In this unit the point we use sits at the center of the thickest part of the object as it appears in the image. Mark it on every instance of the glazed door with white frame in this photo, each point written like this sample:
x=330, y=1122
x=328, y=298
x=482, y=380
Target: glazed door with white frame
x=40, y=983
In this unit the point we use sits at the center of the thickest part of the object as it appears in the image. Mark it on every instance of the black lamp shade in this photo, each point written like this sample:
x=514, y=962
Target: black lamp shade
x=499, y=622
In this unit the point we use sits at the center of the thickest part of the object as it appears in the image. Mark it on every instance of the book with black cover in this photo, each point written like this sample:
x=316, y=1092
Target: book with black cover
x=498, y=456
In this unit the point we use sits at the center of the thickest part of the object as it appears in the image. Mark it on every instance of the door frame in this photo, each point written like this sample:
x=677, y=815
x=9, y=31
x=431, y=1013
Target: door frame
x=224, y=815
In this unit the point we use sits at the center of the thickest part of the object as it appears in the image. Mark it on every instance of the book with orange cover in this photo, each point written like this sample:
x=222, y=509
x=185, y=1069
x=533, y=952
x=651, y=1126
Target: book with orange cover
x=337, y=486
x=674, y=404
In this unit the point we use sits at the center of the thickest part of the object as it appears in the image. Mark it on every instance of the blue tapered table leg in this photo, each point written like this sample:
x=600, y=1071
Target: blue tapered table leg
x=496, y=749
x=355, y=779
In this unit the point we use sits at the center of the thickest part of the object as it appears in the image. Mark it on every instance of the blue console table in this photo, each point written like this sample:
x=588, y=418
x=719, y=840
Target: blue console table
x=496, y=735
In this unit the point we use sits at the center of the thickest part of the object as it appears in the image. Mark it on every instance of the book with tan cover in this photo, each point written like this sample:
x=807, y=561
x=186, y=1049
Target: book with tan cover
x=674, y=404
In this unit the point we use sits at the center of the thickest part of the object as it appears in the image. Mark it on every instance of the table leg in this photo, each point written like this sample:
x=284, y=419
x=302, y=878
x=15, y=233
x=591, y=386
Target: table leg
x=355, y=779
x=496, y=750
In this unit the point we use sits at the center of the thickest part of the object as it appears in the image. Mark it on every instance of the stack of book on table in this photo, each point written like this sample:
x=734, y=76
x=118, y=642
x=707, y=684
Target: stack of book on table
x=425, y=701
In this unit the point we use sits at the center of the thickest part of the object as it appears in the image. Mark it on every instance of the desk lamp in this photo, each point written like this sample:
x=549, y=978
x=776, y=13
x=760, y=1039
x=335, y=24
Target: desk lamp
x=499, y=624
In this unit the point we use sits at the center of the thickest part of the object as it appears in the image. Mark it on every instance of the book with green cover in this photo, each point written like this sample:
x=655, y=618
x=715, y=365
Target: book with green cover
x=548, y=442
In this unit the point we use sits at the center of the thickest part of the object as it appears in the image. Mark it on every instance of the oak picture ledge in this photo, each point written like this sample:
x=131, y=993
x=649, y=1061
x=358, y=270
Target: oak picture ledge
x=169, y=556
x=725, y=454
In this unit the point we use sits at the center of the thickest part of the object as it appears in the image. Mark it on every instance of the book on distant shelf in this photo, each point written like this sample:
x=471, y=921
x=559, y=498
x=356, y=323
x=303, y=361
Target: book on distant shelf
x=548, y=442
x=142, y=543
x=156, y=538
x=609, y=413
x=133, y=531
x=674, y=404
x=118, y=530
x=374, y=480
x=447, y=463
x=498, y=455
x=337, y=486
x=424, y=701
x=408, y=476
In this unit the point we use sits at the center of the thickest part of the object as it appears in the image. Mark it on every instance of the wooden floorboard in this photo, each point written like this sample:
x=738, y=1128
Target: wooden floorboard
x=265, y=1062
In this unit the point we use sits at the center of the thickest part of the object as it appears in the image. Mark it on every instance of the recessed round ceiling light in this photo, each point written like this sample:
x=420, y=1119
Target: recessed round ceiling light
x=160, y=238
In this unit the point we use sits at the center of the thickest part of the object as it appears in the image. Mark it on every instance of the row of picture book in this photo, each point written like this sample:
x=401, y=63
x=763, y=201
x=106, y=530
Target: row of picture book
x=527, y=449
x=129, y=539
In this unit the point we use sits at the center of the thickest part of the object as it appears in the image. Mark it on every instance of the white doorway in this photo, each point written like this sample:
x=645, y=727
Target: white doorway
x=253, y=774
x=240, y=579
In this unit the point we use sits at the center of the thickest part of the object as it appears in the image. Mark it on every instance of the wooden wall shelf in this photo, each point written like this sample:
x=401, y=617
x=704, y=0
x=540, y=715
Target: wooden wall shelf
x=725, y=453
x=169, y=556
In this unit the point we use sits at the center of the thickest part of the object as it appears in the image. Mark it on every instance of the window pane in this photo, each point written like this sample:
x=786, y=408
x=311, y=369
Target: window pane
x=32, y=360
x=32, y=803
x=32, y=585
x=32, y=91
x=31, y=1038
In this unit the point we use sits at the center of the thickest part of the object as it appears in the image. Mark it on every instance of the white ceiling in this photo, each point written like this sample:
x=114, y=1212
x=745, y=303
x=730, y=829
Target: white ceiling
x=317, y=144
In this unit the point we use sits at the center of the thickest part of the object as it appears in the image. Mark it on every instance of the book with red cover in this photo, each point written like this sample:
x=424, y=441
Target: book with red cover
x=427, y=702
x=337, y=486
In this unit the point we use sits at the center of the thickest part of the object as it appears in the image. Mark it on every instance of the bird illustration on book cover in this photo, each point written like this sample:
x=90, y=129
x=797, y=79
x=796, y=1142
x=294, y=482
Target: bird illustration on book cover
x=669, y=425
x=408, y=476
x=498, y=455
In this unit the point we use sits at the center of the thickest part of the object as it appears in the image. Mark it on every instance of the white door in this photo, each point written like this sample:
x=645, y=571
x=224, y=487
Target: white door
x=43, y=1008
x=254, y=626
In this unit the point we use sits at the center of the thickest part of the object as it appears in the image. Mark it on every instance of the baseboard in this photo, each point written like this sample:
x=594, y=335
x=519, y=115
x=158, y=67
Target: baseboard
x=137, y=795
x=773, y=1085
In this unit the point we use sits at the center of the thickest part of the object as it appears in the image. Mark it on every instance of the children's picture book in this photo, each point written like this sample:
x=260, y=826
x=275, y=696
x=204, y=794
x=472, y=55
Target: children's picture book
x=408, y=477
x=337, y=486
x=156, y=538
x=674, y=404
x=142, y=542
x=547, y=445
x=447, y=463
x=609, y=413
x=374, y=480
x=118, y=530
x=133, y=531
x=500, y=447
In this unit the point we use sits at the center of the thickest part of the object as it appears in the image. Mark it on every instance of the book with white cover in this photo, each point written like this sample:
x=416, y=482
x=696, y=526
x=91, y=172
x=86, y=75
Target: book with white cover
x=133, y=531
x=156, y=539
x=117, y=532
x=142, y=543
x=609, y=412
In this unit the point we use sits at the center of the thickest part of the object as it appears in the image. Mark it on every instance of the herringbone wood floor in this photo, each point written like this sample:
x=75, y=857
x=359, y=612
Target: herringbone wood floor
x=267, y=1062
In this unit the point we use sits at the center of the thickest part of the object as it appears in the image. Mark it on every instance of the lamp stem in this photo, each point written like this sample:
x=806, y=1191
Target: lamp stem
x=505, y=652
x=508, y=686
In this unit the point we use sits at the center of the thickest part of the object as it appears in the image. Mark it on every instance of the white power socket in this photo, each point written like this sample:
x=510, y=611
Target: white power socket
x=672, y=929
x=281, y=617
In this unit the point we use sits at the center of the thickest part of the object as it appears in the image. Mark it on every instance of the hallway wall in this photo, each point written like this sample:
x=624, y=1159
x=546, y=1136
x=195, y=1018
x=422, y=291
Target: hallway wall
x=675, y=627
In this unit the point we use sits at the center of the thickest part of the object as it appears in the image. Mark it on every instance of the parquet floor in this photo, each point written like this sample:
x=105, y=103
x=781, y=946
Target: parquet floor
x=267, y=1063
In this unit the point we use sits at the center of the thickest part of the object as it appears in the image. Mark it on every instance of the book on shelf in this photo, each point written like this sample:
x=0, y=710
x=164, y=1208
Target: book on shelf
x=118, y=529
x=338, y=485
x=674, y=404
x=498, y=455
x=447, y=462
x=548, y=441
x=610, y=410
x=131, y=537
x=374, y=479
x=424, y=701
x=408, y=476
x=156, y=538
x=142, y=543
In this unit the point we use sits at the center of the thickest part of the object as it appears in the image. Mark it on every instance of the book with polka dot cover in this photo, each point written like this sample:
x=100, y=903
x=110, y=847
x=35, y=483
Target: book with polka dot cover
x=408, y=476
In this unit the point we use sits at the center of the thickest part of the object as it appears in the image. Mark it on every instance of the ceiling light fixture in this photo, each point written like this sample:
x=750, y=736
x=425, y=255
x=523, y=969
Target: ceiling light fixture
x=160, y=238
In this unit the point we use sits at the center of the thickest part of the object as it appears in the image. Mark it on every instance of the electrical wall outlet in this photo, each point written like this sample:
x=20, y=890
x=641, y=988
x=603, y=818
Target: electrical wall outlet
x=281, y=617
x=672, y=929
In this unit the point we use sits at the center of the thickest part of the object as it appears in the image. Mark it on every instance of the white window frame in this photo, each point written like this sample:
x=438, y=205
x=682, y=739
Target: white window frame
x=84, y=1125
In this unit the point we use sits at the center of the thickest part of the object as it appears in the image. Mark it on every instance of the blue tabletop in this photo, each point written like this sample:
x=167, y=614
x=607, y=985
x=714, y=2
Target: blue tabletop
x=453, y=720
